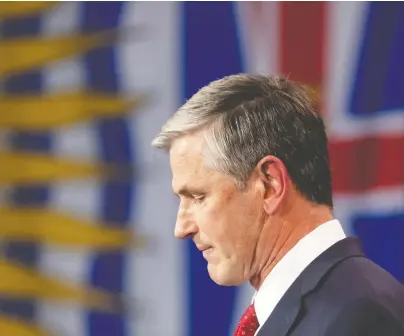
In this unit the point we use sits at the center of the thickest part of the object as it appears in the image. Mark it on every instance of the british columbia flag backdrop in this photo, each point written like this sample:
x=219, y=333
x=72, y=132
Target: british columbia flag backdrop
x=86, y=208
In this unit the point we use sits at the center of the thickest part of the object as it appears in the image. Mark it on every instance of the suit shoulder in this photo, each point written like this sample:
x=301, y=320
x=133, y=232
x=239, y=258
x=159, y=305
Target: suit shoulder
x=351, y=296
x=358, y=282
x=364, y=277
x=363, y=316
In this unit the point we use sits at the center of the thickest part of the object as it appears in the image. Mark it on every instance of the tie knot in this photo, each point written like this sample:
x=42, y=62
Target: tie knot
x=248, y=324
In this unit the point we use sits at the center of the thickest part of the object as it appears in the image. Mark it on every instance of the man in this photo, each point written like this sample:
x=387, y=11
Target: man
x=250, y=165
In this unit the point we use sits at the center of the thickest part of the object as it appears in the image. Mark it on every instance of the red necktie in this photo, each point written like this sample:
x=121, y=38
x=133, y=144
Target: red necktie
x=248, y=324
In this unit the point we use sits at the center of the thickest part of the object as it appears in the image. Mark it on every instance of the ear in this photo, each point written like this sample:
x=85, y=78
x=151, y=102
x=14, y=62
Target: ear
x=275, y=178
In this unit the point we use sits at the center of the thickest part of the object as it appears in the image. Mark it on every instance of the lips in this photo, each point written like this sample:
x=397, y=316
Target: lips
x=203, y=248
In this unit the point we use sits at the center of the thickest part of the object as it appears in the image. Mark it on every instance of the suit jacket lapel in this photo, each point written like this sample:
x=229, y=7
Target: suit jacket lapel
x=286, y=312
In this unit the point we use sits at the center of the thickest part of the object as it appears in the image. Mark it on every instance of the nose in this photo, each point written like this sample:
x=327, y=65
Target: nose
x=185, y=226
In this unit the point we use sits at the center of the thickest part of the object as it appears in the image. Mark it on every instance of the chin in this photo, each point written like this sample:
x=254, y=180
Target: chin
x=223, y=276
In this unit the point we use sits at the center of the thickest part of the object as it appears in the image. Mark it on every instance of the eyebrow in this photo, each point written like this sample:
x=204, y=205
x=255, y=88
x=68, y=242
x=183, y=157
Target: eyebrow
x=186, y=191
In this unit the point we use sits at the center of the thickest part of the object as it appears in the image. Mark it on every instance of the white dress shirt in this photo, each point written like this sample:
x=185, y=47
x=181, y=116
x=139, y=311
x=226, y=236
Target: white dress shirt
x=292, y=264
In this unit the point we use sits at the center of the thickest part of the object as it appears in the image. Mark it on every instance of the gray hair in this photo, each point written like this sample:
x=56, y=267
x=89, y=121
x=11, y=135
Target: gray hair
x=244, y=118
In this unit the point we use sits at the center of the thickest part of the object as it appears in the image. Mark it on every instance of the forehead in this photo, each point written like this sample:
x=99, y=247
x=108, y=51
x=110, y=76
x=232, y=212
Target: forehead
x=186, y=158
x=187, y=151
x=188, y=165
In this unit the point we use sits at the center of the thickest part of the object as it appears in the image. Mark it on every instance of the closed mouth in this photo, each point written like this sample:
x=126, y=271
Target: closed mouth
x=203, y=248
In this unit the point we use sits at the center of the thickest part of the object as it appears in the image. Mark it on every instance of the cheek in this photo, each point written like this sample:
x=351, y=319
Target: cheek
x=246, y=224
x=228, y=225
x=214, y=220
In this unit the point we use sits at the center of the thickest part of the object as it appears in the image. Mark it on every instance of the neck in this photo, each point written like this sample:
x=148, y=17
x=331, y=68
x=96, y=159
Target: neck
x=290, y=230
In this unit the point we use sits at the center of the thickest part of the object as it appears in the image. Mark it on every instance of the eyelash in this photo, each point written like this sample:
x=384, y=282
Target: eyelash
x=198, y=198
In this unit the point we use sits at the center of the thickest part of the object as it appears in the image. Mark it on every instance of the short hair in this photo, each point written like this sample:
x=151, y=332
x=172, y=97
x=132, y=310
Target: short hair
x=246, y=117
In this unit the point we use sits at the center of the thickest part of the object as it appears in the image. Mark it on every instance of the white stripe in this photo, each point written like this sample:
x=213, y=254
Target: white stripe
x=346, y=26
x=156, y=276
x=67, y=74
x=350, y=128
x=80, y=199
x=64, y=75
x=62, y=19
x=69, y=265
x=259, y=37
x=79, y=141
x=62, y=319
x=382, y=201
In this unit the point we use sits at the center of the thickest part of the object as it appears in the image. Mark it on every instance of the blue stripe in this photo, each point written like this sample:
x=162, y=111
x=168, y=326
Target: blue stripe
x=108, y=268
x=27, y=82
x=26, y=26
x=382, y=238
x=211, y=50
x=393, y=91
x=379, y=75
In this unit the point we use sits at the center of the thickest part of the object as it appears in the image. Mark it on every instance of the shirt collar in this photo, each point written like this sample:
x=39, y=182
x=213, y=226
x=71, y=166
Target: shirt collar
x=287, y=270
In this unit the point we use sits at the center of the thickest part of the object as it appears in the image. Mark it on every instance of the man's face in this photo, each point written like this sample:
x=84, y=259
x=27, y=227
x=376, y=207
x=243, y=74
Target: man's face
x=223, y=221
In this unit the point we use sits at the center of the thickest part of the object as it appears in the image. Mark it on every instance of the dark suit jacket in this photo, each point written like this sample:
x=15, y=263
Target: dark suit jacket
x=341, y=293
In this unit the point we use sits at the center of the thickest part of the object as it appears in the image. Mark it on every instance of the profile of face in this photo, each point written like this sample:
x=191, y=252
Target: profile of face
x=224, y=222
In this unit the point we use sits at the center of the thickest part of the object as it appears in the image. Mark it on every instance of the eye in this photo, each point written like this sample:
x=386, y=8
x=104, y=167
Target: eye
x=198, y=198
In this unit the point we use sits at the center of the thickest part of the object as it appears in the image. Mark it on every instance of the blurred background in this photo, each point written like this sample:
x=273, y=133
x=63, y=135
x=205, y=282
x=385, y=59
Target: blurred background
x=86, y=208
